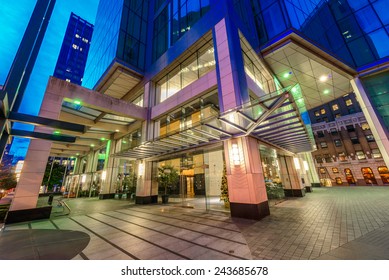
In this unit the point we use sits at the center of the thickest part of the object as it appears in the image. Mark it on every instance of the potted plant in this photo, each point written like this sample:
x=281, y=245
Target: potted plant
x=224, y=188
x=167, y=178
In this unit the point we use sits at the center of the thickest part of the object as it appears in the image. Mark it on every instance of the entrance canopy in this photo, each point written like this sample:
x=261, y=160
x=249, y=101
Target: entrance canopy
x=273, y=119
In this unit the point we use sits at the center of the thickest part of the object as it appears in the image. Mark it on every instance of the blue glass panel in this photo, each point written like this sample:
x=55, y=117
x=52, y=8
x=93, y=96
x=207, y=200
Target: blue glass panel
x=361, y=51
x=357, y=4
x=349, y=28
x=292, y=14
x=381, y=7
x=380, y=42
x=274, y=20
x=266, y=3
x=340, y=8
x=367, y=19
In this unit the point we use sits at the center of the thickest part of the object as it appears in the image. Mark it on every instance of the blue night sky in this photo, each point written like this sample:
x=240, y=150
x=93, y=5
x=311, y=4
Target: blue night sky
x=14, y=17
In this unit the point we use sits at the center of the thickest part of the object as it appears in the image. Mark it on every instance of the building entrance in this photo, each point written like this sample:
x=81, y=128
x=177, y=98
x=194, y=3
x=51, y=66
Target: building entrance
x=199, y=180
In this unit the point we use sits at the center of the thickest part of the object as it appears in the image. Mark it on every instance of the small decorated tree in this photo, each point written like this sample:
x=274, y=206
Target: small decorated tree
x=224, y=188
x=167, y=178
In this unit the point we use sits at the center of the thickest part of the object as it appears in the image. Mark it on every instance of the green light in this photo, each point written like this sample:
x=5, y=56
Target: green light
x=326, y=91
x=102, y=139
x=57, y=132
x=77, y=102
x=286, y=75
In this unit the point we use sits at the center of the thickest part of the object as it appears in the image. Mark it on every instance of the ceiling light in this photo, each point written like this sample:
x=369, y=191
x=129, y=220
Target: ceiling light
x=286, y=75
x=92, y=145
x=77, y=102
x=326, y=91
x=323, y=78
x=117, y=130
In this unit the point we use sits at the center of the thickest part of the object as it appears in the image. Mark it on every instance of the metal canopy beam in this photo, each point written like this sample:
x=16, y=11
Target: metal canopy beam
x=36, y=120
x=44, y=136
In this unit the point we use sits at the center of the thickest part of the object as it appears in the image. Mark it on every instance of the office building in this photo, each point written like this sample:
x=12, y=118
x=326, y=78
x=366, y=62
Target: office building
x=199, y=85
x=74, y=50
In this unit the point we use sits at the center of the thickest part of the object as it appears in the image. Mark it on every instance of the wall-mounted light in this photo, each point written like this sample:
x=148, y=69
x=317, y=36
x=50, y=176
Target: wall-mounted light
x=141, y=169
x=296, y=163
x=83, y=178
x=306, y=167
x=235, y=154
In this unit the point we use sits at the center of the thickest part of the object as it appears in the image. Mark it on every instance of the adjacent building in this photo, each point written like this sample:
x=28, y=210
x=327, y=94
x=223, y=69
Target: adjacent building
x=74, y=50
x=205, y=86
x=347, y=153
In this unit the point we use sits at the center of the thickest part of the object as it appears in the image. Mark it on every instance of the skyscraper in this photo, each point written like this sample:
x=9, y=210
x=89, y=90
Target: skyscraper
x=74, y=50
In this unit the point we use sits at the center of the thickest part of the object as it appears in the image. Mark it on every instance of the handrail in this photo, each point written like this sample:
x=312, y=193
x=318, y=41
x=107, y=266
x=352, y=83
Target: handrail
x=63, y=204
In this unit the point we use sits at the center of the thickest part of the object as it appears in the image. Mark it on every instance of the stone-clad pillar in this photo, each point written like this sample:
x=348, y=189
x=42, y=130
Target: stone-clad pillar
x=290, y=177
x=27, y=190
x=246, y=182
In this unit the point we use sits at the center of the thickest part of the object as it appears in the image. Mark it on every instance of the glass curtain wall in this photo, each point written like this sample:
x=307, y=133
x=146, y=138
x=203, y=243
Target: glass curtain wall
x=355, y=31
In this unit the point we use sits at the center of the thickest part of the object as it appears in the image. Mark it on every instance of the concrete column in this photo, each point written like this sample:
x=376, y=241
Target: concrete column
x=246, y=183
x=290, y=177
x=376, y=128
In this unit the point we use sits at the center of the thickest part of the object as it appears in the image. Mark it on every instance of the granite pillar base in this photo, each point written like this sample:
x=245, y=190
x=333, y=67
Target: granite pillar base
x=250, y=211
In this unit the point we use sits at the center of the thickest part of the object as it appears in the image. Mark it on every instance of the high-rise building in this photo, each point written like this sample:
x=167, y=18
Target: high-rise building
x=74, y=50
x=199, y=85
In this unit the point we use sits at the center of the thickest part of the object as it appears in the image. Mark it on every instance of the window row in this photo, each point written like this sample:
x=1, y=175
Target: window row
x=360, y=155
x=186, y=73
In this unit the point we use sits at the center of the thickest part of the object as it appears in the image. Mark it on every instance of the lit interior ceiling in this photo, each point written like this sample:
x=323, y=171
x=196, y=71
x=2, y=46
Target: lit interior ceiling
x=320, y=77
x=118, y=81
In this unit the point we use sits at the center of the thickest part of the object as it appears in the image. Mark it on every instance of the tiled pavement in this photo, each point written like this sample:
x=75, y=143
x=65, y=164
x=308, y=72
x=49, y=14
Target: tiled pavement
x=330, y=223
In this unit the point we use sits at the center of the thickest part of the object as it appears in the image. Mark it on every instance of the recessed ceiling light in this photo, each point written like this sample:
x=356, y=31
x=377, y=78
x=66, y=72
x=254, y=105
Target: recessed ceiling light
x=117, y=130
x=323, y=78
x=326, y=91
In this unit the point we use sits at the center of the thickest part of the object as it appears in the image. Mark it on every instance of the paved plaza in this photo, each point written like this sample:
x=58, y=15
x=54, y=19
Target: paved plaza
x=330, y=223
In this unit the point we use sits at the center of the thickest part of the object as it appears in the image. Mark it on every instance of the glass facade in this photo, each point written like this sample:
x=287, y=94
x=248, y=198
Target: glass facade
x=377, y=89
x=173, y=19
x=133, y=33
x=354, y=31
x=196, y=66
x=104, y=41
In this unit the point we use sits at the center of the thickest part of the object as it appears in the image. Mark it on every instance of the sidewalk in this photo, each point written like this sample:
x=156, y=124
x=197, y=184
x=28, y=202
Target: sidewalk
x=330, y=223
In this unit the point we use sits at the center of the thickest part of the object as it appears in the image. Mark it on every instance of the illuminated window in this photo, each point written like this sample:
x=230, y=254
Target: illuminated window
x=376, y=153
x=365, y=126
x=349, y=102
x=317, y=113
x=335, y=107
x=322, y=111
x=338, y=142
x=335, y=170
x=342, y=156
x=77, y=36
x=75, y=47
x=370, y=138
x=322, y=170
x=323, y=144
x=360, y=155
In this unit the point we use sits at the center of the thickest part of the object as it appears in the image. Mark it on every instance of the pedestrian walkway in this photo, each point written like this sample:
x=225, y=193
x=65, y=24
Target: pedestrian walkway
x=330, y=223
